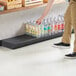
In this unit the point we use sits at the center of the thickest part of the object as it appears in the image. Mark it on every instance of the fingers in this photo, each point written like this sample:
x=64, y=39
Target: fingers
x=38, y=22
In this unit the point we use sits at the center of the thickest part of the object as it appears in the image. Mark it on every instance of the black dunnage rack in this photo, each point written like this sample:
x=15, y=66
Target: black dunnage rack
x=24, y=40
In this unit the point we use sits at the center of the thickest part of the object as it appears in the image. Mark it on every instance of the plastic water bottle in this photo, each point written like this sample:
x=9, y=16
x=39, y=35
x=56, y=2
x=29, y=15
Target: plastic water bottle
x=37, y=29
x=49, y=26
x=45, y=28
x=30, y=28
x=52, y=26
x=55, y=26
x=59, y=23
x=33, y=28
x=62, y=23
x=42, y=29
x=26, y=27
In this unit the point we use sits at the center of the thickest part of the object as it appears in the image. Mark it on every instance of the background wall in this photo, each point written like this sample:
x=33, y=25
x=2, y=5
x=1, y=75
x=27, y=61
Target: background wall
x=11, y=24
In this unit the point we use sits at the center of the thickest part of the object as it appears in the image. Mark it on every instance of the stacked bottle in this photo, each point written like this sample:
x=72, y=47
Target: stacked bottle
x=49, y=26
x=33, y=29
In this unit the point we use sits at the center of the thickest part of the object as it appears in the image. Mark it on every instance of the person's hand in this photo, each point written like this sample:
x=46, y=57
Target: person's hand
x=39, y=21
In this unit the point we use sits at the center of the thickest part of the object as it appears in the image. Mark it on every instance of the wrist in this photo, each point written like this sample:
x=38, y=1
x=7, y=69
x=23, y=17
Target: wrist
x=42, y=17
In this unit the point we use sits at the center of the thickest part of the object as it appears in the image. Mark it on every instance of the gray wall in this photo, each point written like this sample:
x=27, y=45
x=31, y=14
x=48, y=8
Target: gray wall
x=11, y=24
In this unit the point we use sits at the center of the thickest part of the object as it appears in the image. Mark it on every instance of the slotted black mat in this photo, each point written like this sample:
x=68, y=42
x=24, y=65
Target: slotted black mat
x=24, y=40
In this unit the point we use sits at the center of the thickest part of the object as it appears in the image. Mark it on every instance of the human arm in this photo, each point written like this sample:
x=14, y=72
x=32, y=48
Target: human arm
x=47, y=9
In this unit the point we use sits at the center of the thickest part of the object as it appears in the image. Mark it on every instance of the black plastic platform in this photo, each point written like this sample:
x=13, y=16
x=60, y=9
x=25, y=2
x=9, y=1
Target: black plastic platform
x=23, y=40
x=0, y=42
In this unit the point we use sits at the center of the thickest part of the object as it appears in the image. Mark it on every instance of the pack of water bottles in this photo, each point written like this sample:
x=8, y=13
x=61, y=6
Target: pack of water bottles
x=49, y=26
